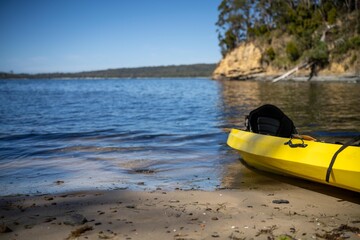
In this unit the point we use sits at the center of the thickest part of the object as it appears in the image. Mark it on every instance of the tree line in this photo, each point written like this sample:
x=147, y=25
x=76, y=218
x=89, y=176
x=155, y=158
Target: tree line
x=307, y=21
x=192, y=70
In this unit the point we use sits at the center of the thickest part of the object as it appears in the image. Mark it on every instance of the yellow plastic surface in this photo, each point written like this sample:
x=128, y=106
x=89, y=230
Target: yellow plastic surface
x=269, y=153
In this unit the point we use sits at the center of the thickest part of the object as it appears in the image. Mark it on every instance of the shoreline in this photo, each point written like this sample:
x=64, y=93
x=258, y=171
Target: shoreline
x=279, y=210
x=352, y=78
x=323, y=78
x=297, y=78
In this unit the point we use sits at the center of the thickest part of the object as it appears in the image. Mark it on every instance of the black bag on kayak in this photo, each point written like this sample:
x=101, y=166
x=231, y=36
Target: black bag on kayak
x=270, y=120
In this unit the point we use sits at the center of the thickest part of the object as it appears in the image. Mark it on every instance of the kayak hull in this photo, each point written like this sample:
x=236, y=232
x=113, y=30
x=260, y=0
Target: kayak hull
x=311, y=162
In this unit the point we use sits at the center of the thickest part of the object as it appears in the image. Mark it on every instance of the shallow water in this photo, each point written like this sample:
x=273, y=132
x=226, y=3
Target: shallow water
x=59, y=135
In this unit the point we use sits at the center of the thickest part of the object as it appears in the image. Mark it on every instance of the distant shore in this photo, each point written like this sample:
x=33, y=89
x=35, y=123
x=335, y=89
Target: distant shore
x=191, y=71
x=329, y=78
x=170, y=71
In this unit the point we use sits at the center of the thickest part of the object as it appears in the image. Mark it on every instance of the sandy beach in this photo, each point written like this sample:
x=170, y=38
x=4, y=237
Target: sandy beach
x=267, y=209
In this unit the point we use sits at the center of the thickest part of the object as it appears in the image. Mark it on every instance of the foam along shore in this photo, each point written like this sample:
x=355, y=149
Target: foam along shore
x=282, y=212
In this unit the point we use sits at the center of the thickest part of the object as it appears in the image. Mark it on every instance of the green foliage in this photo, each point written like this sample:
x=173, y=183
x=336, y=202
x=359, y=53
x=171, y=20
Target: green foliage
x=270, y=53
x=245, y=19
x=249, y=19
x=342, y=48
x=319, y=54
x=258, y=31
x=292, y=51
x=227, y=43
x=355, y=42
x=346, y=45
x=331, y=15
x=234, y=21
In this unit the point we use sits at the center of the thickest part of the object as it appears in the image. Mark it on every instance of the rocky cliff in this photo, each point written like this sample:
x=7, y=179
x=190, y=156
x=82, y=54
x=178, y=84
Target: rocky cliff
x=243, y=62
x=249, y=60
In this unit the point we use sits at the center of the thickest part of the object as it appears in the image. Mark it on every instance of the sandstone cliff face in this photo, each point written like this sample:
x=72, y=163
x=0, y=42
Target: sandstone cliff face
x=241, y=63
x=246, y=62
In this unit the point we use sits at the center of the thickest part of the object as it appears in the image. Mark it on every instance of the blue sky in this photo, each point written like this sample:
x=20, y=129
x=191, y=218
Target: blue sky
x=80, y=35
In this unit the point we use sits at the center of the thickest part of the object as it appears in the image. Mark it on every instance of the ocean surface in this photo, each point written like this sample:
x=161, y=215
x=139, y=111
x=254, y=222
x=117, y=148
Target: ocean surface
x=69, y=135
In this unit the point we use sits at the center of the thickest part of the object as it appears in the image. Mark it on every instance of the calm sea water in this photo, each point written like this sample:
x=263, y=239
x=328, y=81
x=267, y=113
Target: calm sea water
x=59, y=135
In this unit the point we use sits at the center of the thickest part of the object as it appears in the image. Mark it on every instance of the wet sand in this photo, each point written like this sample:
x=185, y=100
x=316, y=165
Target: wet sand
x=255, y=211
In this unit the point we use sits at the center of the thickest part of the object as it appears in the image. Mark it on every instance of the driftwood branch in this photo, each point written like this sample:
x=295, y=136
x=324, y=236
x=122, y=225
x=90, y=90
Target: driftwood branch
x=292, y=71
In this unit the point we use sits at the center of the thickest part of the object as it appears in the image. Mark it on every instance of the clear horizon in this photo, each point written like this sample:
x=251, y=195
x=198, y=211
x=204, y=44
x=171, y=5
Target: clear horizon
x=42, y=36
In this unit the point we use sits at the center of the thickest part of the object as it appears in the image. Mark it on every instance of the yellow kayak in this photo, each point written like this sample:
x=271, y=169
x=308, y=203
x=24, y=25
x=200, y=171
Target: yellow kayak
x=316, y=161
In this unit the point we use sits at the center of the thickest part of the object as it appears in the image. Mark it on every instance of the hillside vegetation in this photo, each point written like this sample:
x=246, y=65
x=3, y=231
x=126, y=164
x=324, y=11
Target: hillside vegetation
x=194, y=70
x=289, y=32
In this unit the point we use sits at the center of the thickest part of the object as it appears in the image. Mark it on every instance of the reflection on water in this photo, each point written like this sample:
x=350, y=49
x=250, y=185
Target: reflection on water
x=314, y=107
x=328, y=111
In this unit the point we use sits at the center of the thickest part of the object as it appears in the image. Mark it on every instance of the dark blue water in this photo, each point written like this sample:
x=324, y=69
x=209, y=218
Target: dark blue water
x=110, y=133
x=59, y=135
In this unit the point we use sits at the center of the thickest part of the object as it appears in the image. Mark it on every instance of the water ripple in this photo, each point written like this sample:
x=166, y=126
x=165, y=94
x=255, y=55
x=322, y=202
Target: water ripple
x=160, y=133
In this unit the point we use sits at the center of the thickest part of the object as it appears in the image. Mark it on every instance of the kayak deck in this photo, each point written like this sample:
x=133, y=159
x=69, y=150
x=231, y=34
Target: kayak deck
x=310, y=162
